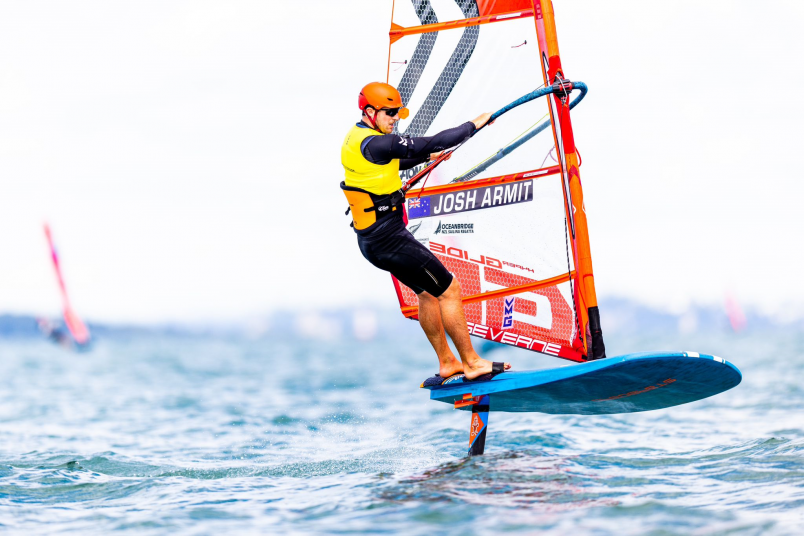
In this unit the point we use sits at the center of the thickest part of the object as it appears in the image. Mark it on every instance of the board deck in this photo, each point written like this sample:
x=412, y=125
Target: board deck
x=624, y=384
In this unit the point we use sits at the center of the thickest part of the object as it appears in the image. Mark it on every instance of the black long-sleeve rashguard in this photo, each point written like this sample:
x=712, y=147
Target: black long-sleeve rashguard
x=412, y=151
x=388, y=245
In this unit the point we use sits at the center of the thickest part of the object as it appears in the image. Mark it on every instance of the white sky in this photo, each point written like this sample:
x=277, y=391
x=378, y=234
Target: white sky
x=186, y=153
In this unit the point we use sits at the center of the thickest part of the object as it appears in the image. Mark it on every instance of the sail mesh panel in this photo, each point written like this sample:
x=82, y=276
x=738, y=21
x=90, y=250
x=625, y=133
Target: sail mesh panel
x=418, y=61
x=449, y=76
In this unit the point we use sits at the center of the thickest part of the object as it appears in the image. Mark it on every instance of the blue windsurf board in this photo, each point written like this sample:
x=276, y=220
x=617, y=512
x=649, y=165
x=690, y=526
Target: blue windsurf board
x=624, y=384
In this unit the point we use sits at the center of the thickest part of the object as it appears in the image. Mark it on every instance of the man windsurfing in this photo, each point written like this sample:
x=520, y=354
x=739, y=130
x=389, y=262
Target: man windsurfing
x=372, y=157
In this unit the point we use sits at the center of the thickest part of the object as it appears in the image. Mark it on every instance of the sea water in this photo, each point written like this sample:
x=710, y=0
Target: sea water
x=175, y=433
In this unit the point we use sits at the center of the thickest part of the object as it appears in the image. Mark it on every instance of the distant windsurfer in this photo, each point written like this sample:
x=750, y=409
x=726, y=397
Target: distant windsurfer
x=52, y=332
x=372, y=157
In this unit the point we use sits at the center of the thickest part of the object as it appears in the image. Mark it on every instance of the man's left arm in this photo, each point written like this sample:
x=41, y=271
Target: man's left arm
x=407, y=163
x=413, y=151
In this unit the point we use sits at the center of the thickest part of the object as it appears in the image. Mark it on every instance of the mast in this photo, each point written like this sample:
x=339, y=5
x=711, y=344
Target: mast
x=585, y=298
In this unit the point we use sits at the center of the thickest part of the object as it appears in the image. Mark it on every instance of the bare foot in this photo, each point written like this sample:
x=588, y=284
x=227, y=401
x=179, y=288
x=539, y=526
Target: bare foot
x=478, y=368
x=450, y=369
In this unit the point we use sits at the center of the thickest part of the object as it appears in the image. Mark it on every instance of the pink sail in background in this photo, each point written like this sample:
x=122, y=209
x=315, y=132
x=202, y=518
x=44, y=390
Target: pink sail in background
x=77, y=328
x=735, y=313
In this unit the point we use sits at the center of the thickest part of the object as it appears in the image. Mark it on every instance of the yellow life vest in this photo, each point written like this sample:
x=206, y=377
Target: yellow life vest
x=360, y=173
x=373, y=190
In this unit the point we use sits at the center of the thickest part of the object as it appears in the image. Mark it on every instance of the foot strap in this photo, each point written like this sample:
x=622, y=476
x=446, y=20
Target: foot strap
x=496, y=368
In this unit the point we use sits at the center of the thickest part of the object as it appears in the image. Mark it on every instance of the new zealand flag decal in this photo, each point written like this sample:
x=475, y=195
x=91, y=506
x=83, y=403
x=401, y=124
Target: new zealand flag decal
x=508, y=313
x=418, y=207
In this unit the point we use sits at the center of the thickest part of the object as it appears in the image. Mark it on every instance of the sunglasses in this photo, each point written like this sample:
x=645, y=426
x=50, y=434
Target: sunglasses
x=391, y=112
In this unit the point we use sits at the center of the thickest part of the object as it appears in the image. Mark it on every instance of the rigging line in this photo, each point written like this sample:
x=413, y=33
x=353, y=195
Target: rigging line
x=549, y=153
x=530, y=127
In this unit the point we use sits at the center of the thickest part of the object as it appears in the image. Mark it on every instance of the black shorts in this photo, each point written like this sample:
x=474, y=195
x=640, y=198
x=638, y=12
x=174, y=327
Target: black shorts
x=392, y=248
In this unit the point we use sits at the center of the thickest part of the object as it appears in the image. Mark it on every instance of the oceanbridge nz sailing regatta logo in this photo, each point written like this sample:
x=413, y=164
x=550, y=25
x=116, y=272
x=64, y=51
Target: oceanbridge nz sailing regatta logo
x=455, y=228
x=473, y=199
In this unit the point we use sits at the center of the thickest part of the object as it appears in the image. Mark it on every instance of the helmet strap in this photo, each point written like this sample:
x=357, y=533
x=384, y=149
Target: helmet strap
x=371, y=119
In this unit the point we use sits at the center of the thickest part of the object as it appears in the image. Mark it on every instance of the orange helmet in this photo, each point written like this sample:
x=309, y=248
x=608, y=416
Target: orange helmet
x=381, y=96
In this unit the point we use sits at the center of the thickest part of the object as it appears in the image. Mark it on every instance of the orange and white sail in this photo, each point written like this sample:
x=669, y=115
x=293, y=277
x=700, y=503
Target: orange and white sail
x=505, y=213
x=74, y=324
